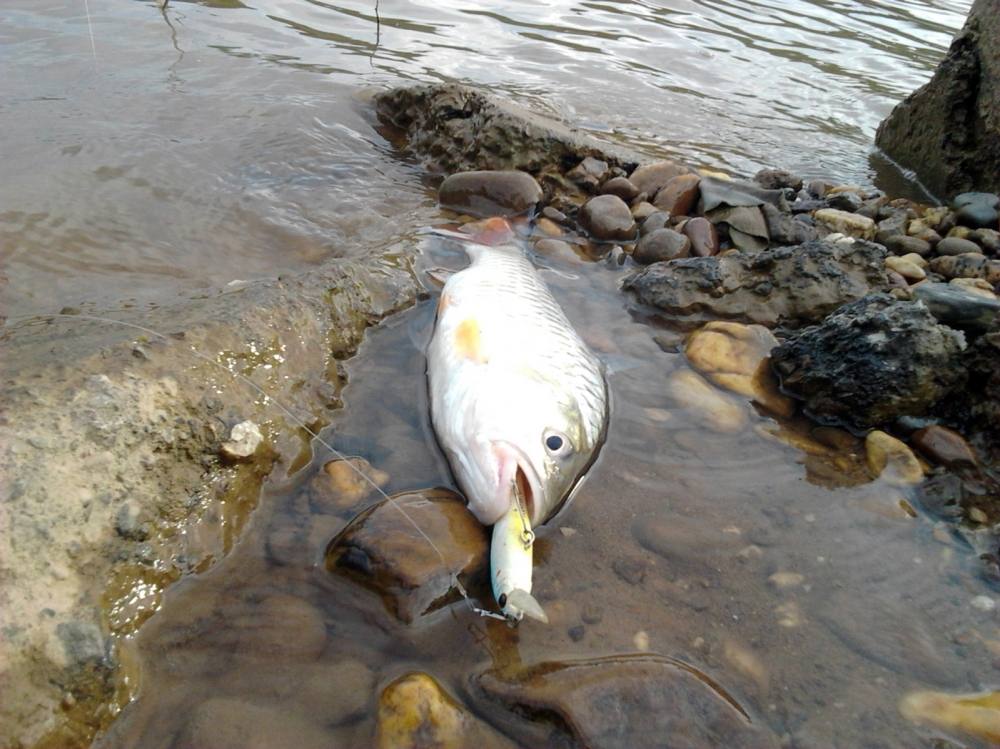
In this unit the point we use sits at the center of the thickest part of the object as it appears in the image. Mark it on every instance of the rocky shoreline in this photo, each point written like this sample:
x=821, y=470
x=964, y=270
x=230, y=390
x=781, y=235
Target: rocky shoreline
x=864, y=312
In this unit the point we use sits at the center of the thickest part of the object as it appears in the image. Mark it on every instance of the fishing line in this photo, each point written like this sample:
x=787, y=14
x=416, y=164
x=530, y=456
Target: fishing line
x=90, y=28
x=296, y=420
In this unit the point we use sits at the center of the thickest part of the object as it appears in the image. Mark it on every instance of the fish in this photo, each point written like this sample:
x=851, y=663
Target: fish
x=518, y=402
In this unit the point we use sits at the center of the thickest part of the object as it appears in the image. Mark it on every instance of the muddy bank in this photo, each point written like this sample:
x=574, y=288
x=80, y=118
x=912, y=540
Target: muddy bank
x=119, y=473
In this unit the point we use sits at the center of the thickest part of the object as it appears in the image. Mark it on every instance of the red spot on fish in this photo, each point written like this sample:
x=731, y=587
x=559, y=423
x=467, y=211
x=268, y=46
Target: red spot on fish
x=468, y=342
x=492, y=231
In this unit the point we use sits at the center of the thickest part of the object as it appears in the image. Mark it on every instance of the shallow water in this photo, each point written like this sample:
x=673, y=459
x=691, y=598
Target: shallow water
x=680, y=533
x=153, y=153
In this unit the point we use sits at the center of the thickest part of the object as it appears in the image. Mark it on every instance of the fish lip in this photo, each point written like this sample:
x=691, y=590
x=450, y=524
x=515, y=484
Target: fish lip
x=502, y=447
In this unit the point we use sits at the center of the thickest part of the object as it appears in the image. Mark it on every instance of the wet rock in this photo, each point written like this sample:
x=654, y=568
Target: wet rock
x=607, y=218
x=716, y=193
x=906, y=268
x=589, y=173
x=955, y=246
x=978, y=210
x=969, y=265
x=622, y=187
x=849, y=224
x=819, y=187
x=785, y=229
x=978, y=286
x=988, y=239
x=342, y=484
x=957, y=307
x=623, y=701
x=225, y=723
x=558, y=249
x=778, y=179
x=649, y=178
x=893, y=225
x=643, y=210
x=975, y=715
x=872, y=361
x=734, y=356
x=704, y=238
x=845, y=201
x=553, y=214
x=661, y=245
x=415, y=713
x=654, y=221
x=244, y=439
x=891, y=460
x=381, y=549
x=787, y=285
x=490, y=193
x=944, y=446
x=706, y=403
x=904, y=245
x=679, y=196
x=747, y=228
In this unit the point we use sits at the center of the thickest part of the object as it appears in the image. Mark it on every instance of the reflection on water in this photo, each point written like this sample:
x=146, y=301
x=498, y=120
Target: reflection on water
x=187, y=146
x=814, y=604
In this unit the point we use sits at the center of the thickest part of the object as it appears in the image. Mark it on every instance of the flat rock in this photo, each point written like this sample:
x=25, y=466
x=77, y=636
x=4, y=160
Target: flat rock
x=784, y=228
x=871, y=361
x=716, y=193
x=956, y=246
x=624, y=701
x=944, y=446
x=957, y=307
x=490, y=193
x=849, y=224
x=649, y=178
x=607, y=218
x=383, y=550
x=786, y=285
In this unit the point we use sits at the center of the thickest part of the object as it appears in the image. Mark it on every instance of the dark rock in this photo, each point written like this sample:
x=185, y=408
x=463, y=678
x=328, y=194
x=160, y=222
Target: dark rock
x=649, y=178
x=622, y=187
x=607, y=218
x=641, y=210
x=787, y=285
x=892, y=226
x=82, y=642
x=871, y=361
x=746, y=225
x=660, y=245
x=487, y=193
x=553, y=214
x=844, y=201
x=778, y=179
x=900, y=244
x=679, y=195
x=944, y=446
x=807, y=206
x=589, y=173
x=382, y=550
x=978, y=210
x=719, y=192
x=622, y=701
x=653, y=222
x=969, y=265
x=949, y=130
x=958, y=308
x=955, y=246
x=784, y=229
x=704, y=238
x=818, y=188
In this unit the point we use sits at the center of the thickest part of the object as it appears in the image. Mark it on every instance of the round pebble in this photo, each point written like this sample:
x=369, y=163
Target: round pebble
x=607, y=217
x=661, y=245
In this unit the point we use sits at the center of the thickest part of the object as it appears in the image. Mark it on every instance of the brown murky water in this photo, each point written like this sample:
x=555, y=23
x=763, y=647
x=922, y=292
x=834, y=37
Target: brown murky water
x=782, y=573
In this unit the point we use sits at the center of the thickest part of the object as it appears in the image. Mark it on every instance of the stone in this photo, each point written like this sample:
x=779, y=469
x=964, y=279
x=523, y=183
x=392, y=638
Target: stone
x=621, y=701
x=819, y=187
x=747, y=228
x=735, y=356
x=845, y=201
x=904, y=245
x=589, y=173
x=893, y=225
x=918, y=260
x=959, y=232
x=891, y=460
x=643, y=210
x=490, y=193
x=786, y=580
x=554, y=214
x=661, y=245
x=558, y=249
x=846, y=223
x=977, y=210
x=224, y=723
x=414, y=712
x=704, y=238
x=974, y=715
x=871, y=362
x=548, y=227
x=948, y=131
x=786, y=285
x=969, y=265
x=342, y=484
x=956, y=246
x=244, y=439
x=607, y=218
x=988, y=239
x=906, y=268
x=958, y=307
x=778, y=179
x=653, y=222
x=383, y=551
x=679, y=196
x=717, y=411
x=622, y=187
x=978, y=286
x=944, y=446
x=716, y=193
x=785, y=229
x=649, y=178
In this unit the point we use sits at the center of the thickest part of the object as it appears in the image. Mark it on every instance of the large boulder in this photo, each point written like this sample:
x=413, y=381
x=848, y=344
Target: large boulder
x=949, y=130
x=871, y=362
x=790, y=286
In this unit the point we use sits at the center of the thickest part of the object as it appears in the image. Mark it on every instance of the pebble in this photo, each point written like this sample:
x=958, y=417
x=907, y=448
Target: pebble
x=747, y=663
x=845, y=201
x=784, y=580
x=977, y=515
x=643, y=210
x=641, y=641
x=944, y=446
x=968, y=265
x=607, y=218
x=660, y=245
x=819, y=188
x=956, y=246
x=490, y=193
x=651, y=177
x=622, y=187
x=904, y=245
x=589, y=173
x=988, y=239
x=778, y=179
x=979, y=286
x=976, y=715
x=342, y=484
x=978, y=210
x=959, y=306
x=716, y=410
x=959, y=232
x=906, y=268
x=849, y=224
x=789, y=615
x=548, y=227
x=917, y=259
x=891, y=460
x=654, y=221
x=557, y=248
x=244, y=439
x=704, y=238
x=984, y=603
x=554, y=214
x=679, y=196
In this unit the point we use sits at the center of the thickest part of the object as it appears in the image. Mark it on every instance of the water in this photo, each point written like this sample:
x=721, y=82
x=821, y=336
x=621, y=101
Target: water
x=149, y=154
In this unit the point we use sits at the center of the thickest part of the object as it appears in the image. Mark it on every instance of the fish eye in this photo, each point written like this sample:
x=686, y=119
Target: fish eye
x=556, y=443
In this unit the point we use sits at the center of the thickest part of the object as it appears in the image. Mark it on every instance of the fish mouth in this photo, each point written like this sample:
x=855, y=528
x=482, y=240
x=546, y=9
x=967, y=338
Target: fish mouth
x=517, y=477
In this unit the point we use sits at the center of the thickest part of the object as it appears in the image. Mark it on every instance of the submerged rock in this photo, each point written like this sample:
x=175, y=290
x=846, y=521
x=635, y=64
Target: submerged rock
x=891, y=460
x=872, y=361
x=788, y=285
x=713, y=408
x=488, y=193
x=976, y=715
x=624, y=701
x=226, y=723
x=944, y=446
x=383, y=550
